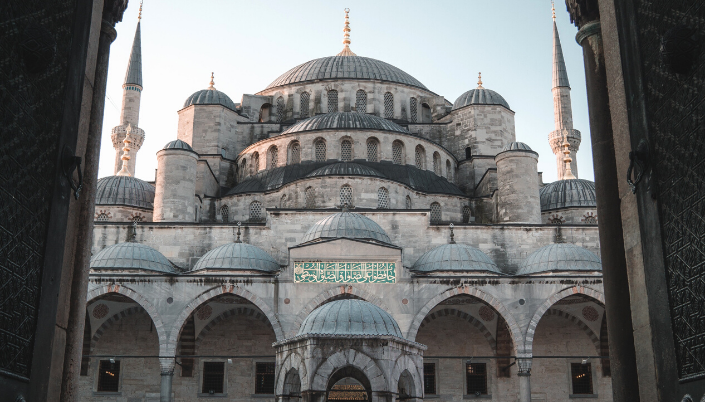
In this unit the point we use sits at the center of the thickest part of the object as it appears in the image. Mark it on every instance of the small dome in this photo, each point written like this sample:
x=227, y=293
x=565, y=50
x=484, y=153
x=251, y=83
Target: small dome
x=345, y=120
x=455, y=257
x=480, y=96
x=345, y=169
x=516, y=146
x=560, y=257
x=349, y=317
x=568, y=193
x=347, y=225
x=237, y=257
x=130, y=256
x=178, y=144
x=124, y=190
x=209, y=97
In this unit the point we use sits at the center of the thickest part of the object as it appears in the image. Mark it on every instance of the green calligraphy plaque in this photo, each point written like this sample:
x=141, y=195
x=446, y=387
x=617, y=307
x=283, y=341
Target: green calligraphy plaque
x=344, y=272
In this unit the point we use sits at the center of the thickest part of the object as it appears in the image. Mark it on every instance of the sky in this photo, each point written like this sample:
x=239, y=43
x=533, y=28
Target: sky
x=443, y=44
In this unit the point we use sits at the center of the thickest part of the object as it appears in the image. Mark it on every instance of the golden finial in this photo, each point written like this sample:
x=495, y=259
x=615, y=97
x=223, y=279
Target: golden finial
x=553, y=9
x=212, y=86
x=125, y=171
x=479, y=81
x=568, y=173
x=139, y=17
x=346, y=37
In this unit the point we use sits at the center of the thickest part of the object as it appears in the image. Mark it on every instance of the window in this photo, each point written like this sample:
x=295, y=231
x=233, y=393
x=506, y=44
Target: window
x=466, y=214
x=303, y=104
x=373, y=150
x=388, y=105
x=590, y=219
x=414, y=109
x=255, y=163
x=346, y=151
x=346, y=195
x=310, y=198
x=224, y=212
x=556, y=220
x=109, y=376
x=294, y=153
x=468, y=153
x=137, y=218
x=382, y=198
x=320, y=150
x=408, y=202
x=243, y=169
x=420, y=157
x=282, y=201
x=264, y=378
x=361, y=101
x=256, y=211
x=437, y=163
x=273, y=157
x=476, y=378
x=280, y=109
x=213, y=377
x=429, y=378
x=102, y=217
x=425, y=113
x=581, y=374
x=264, y=112
x=435, y=212
x=332, y=101
x=398, y=152
x=449, y=171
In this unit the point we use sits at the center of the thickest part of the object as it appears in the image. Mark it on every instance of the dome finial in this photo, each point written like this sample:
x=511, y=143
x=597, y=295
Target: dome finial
x=238, y=233
x=212, y=84
x=125, y=171
x=568, y=174
x=479, y=81
x=553, y=9
x=139, y=17
x=346, y=37
x=452, y=235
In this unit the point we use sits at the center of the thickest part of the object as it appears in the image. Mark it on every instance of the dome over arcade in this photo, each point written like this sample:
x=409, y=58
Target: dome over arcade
x=560, y=257
x=210, y=96
x=350, y=317
x=237, y=257
x=568, y=193
x=178, y=144
x=131, y=256
x=348, y=225
x=345, y=120
x=480, y=96
x=124, y=190
x=516, y=146
x=455, y=257
x=345, y=169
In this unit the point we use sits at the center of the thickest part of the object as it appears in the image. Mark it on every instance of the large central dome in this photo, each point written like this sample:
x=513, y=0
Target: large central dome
x=345, y=67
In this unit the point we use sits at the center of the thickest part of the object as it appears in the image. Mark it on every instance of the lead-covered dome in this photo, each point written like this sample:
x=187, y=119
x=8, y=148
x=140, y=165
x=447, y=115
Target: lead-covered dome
x=348, y=225
x=350, y=317
x=345, y=67
x=455, y=257
x=345, y=169
x=480, y=96
x=345, y=120
x=560, y=257
x=516, y=146
x=210, y=96
x=237, y=257
x=124, y=190
x=178, y=144
x=568, y=193
x=131, y=256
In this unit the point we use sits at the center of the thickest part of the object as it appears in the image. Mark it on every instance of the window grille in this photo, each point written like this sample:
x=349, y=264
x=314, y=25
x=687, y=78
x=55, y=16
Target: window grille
x=332, y=101
x=108, y=376
x=303, y=104
x=310, y=198
x=346, y=151
x=408, y=202
x=320, y=147
x=295, y=153
x=273, y=157
x=137, y=218
x=256, y=211
x=556, y=220
x=213, y=377
x=437, y=163
x=280, y=109
x=476, y=378
x=372, y=150
x=435, y=212
x=346, y=195
x=388, y=105
x=581, y=374
x=361, y=101
x=102, y=217
x=466, y=214
x=590, y=220
x=397, y=152
x=264, y=378
x=413, y=109
x=449, y=171
x=429, y=378
x=382, y=198
x=420, y=156
x=282, y=202
x=224, y=213
x=255, y=163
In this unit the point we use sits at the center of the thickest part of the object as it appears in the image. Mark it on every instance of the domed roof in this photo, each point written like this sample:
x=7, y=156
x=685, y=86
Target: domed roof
x=455, y=257
x=345, y=67
x=480, y=96
x=178, y=144
x=568, y=193
x=345, y=120
x=560, y=257
x=131, y=255
x=347, y=225
x=237, y=256
x=516, y=146
x=210, y=96
x=345, y=169
x=124, y=190
x=349, y=317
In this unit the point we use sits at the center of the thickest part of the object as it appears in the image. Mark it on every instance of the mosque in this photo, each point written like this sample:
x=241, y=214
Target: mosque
x=345, y=234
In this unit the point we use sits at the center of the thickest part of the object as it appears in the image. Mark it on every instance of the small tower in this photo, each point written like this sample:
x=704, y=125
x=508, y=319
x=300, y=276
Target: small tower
x=518, y=198
x=562, y=111
x=130, y=112
x=175, y=194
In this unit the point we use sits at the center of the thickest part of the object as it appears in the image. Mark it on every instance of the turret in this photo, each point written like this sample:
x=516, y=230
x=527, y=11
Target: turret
x=518, y=198
x=175, y=195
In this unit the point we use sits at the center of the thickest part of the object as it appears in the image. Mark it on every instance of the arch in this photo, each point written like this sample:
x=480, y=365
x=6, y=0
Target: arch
x=437, y=163
x=398, y=155
x=346, y=150
x=436, y=213
x=332, y=100
x=320, y=151
x=265, y=113
x=334, y=366
x=293, y=361
x=292, y=384
x=225, y=213
x=420, y=157
x=382, y=198
x=254, y=166
x=373, y=149
x=388, y=105
x=449, y=312
x=294, y=154
x=361, y=101
x=577, y=321
x=405, y=364
x=531, y=329
x=426, y=116
x=243, y=169
x=449, y=170
x=413, y=109
x=282, y=201
x=304, y=107
x=471, y=291
x=110, y=321
x=280, y=109
x=245, y=311
x=408, y=202
x=272, y=157
x=256, y=214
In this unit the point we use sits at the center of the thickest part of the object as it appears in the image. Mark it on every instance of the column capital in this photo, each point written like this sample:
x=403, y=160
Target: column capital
x=589, y=29
x=167, y=365
x=524, y=366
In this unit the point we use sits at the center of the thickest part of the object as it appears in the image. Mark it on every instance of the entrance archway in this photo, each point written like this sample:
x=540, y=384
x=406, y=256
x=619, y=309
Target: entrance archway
x=349, y=384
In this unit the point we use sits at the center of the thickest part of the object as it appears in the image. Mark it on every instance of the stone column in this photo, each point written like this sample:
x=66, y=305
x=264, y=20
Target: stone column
x=167, y=366
x=524, y=379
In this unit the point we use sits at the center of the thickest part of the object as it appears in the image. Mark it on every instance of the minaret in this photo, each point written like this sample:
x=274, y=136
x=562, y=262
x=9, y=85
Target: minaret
x=346, y=37
x=130, y=113
x=562, y=112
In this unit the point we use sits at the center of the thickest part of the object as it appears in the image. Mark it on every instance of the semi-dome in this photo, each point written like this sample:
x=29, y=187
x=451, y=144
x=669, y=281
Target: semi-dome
x=480, y=96
x=237, y=257
x=124, y=190
x=455, y=257
x=568, y=193
x=560, y=257
x=516, y=146
x=178, y=144
x=131, y=256
x=347, y=225
x=345, y=120
x=345, y=67
x=345, y=169
x=350, y=317
x=210, y=96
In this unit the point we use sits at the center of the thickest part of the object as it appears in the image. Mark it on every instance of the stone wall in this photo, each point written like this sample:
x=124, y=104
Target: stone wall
x=571, y=216
x=119, y=213
x=175, y=186
x=518, y=185
x=486, y=129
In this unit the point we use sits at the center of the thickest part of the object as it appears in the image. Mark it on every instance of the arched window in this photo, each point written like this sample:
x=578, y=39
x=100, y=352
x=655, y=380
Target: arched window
x=102, y=217
x=466, y=214
x=372, y=150
x=332, y=101
x=361, y=101
x=449, y=171
x=282, y=201
x=346, y=151
x=294, y=153
x=437, y=163
x=468, y=153
x=590, y=219
x=256, y=212
x=398, y=152
x=310, y=196
x=137, y=218
x=420, y=157
x=243, y=169
x=425, y=113
x=414, y=109
x=272, y=157
x=280, y=109
x=346, y=195
x=264, y=113
x=382, y=198
x=254, y=167
x=303, y=104
x=435, y=212
x=408, y=202
x=320, y=150
x=224, y=213
x=388, y=105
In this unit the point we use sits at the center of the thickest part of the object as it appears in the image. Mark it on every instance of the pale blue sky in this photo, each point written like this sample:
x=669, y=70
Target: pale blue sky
x=443, y=44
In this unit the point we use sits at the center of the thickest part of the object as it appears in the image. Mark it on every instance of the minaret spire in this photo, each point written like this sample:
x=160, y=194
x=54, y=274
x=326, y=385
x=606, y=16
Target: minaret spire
x=346, y=37
x=479, y=81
